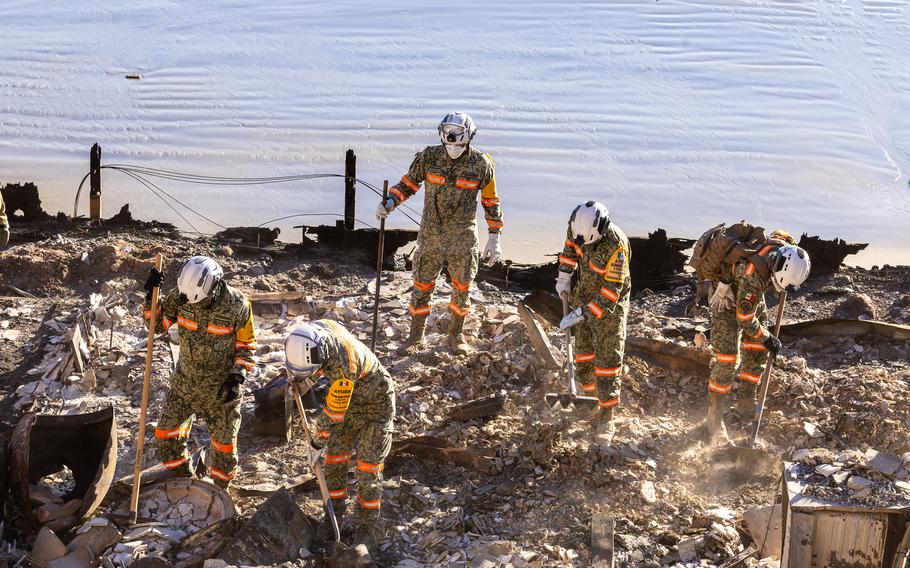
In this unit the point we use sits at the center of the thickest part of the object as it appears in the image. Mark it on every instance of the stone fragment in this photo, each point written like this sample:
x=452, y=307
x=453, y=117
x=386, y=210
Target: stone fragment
x=858, y=483
x=47, y=546
x=52, y=511
x=688, y=548
x=886, y=464
x=356, y=557
x=648, y=492
x=856, y=306
x=97, y=539
x=274, y=534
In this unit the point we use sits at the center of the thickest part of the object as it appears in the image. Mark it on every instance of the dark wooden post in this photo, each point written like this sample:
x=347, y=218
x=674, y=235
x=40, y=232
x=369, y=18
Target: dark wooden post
x=350, y=174
x=95, y=181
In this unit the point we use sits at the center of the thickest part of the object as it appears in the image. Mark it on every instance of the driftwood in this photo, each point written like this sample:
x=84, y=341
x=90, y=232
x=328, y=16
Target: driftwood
x=479, y=408
x=833, y=327
x=442, y=450
x=828, y=255
x=537, y=336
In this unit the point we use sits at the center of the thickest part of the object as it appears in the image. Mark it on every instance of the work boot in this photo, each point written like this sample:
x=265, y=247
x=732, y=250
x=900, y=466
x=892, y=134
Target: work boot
x=602, y=427
x=416, y=341
x=367, y=533
x=716, y=431
x=222, y=483
x=456, y=339
x=326, y=532
x=745, y=402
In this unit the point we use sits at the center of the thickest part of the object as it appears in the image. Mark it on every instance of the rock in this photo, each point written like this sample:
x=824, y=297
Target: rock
x=150, y=562
x=53, y=511
x=215, y=563
x=97, y=539
x=274, y=534
x=224, y=251
x=756, y=520
x=688, y=548
x=886, y=464
x=856, y=306
x=47, y=546
x=80, y=558
x=858, y=483
x=356, y=557
x=648, y=492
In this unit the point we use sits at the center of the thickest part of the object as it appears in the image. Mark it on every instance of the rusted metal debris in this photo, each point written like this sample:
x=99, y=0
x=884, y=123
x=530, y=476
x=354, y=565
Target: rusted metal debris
x=828, y=255
x=834, y=327
x=42, y=445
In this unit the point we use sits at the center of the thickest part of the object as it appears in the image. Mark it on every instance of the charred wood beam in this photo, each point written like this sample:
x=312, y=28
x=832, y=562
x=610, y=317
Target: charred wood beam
x=23, y=198
x=828, y=255
x=364, y=240
x=479, y=408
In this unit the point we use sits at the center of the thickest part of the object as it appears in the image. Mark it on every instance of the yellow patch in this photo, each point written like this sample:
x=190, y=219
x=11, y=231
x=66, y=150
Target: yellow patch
x=339, y=396
x=617, y=268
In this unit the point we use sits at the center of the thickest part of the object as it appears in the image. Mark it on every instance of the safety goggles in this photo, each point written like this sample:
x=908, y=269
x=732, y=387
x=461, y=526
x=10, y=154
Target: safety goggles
x=453, y=134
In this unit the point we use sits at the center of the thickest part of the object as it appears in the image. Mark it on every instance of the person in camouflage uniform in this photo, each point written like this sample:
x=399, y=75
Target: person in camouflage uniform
x=740, y=334
x=4, y=224
x=217, y=342
x=448, y=230
x=599, y=252
x=356, y=420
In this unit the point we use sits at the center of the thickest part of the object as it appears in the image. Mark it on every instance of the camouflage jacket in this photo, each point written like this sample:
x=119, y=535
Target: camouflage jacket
x=3, y=221
x=749, y=285
x=216, y=335
x=452, y=188
x=603, y=271
x=359, y=386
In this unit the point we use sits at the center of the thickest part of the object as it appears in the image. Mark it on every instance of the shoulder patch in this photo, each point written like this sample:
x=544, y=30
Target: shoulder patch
x=617, y=267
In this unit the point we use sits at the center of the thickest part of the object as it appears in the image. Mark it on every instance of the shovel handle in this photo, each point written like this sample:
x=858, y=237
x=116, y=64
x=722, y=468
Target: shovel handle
x=143, y=408
x=766, y=376
x=570, y=349
x=385, y=196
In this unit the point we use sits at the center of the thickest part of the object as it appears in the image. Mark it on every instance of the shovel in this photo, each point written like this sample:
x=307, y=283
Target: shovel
x=568, y=399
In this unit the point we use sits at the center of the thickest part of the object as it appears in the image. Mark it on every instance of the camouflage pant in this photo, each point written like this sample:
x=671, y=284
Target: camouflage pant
x=599, y=347
x=187, y=399
x=460, y=250
x=367, y=436
x=726, y=340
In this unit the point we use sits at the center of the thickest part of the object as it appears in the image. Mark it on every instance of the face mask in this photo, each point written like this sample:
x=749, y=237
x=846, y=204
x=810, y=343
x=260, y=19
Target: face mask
x=454, y=151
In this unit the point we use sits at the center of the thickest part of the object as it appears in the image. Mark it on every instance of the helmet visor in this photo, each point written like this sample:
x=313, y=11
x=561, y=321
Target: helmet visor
x=453, y=134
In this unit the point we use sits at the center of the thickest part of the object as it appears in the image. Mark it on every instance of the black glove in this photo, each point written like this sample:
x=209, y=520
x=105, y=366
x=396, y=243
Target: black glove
x=153, y=281
x=230, y=388
x=317, y=444
x=773, y=345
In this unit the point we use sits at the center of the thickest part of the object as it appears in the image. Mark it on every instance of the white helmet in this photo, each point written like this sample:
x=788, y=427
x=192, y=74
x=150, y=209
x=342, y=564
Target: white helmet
x=457, y=128
x=791, y=268
x=588, y=222
x=304, y=350
x=198, y=277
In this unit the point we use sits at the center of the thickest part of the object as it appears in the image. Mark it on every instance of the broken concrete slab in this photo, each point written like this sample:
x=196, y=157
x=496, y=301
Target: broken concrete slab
x=79, y=558
x=275, y=533
x=96, y=538
x=47, y=546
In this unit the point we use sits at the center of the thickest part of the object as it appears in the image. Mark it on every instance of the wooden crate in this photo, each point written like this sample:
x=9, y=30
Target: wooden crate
x=826, y=534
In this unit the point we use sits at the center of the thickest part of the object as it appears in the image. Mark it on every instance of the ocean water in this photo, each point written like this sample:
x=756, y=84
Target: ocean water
x=676, y=114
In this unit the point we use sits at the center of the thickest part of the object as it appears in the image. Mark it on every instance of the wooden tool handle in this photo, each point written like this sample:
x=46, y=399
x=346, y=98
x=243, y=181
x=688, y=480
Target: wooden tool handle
x=146, y=379
x=385, y=196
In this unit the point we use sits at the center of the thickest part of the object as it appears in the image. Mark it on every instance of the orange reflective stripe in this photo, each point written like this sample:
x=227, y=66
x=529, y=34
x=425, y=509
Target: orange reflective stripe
x=607, y=371
x=489, y=201
x=753, y=346
x=148, y=313
x=494, y=224
x=749, y=377
x=567, y=261
x=589, y=387
x=438, y=180
x=750, y=269
x=459, y=311
x=576, y=248
x=609, y=294
x=223, y=448
x=424, y=286
x=187, y=323
x=217, y=473
x=401, y=197
x=335, y=416
x=596, y=268
x=712, y=386
x=167, y=323
x=322, y=434
x=765, y=250
x=460, y=286
x=374, y=468
x=244, y=345
x=409, y=183
x=744, y=317
x=166, y=434
x=725, y=357
x=608, y=403
x=584, y=357
x=595, y=309
x=466, y=183
x=423, y=310
x=338, y=493
x=219, y=330
x=174, y=464
x=374, y=504
x=336, y=458
x=247, y=364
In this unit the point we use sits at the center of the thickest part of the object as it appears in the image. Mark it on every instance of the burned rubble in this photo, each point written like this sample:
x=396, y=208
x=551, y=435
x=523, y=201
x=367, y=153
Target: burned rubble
x=514, y=484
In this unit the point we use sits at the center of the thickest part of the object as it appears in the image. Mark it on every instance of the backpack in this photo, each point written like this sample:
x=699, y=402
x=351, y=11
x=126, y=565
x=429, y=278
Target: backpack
x=721, y=247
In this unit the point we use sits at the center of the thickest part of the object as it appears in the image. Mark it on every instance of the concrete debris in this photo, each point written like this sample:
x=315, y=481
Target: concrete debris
x=857, y=306
x=275, y=533
x=868, y=479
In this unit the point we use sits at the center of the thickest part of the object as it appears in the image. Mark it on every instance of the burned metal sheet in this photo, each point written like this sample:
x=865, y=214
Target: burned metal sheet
x=43, y=444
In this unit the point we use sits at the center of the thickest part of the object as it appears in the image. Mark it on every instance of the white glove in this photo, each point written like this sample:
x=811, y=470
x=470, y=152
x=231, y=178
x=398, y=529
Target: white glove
x=493, y=251
x=723, y=298
x=574, y=317
x=384, y=208
x=563, y=283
